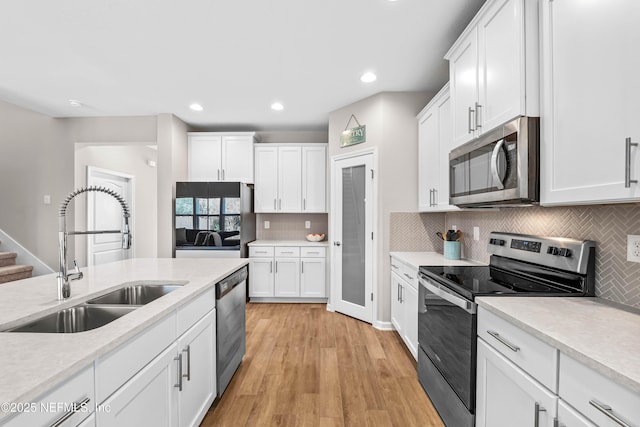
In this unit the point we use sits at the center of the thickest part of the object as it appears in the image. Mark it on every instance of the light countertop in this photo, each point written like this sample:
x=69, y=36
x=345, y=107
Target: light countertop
x=602, y=335
x=416, y=259
x=288, y=243
x=33, y=363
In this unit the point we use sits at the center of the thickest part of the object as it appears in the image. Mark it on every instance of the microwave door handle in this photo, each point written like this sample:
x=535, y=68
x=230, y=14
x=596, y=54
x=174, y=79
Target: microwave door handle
x=495, y=158
x=462, y=303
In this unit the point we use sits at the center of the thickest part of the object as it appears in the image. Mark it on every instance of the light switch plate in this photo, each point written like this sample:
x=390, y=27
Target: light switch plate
x=307, y=224
x=633, y=248
x=47, y=199
x=476, y=233
x=267, y=225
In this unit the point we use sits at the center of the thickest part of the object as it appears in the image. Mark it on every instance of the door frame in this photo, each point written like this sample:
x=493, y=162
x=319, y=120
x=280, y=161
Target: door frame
x=89, y=207
x=331, y=304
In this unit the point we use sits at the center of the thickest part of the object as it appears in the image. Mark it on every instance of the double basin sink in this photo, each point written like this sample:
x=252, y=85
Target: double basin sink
x=98, y=311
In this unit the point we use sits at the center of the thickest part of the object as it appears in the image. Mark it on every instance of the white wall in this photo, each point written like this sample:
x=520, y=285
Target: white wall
x=390, y=118
x=131, y=160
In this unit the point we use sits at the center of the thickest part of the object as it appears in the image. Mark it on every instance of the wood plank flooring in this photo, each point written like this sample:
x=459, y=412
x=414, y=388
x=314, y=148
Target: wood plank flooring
x=306, y=366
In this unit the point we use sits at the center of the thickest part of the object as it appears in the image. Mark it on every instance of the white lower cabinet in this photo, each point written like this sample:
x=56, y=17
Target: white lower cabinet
x=404, y=303
x=287, y=273
x=507, y=396
x=569, y=417
x=89, y=422
x=174, y=388
x=149, y=398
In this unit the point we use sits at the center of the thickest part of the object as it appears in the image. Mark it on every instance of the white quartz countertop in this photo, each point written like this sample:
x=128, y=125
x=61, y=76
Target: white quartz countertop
x=32, y=363
x=601, y=335
x=287, y=243
x=416, y=259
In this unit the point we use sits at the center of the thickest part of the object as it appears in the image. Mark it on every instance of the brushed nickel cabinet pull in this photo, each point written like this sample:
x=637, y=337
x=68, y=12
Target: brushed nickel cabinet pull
x=471, y=110
x=477, y=115
x=179, y=360
x=627, y=163
x=497, y=336
x=536, y=416
x=77, y=406
x=608, y=411
x=187, y=350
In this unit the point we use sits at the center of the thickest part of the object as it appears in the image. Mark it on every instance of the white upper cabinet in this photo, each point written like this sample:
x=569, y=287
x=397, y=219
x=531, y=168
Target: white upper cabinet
x=434, y=144
x=290, y=178
x=215, y=156
x=493, y=68
x=590, y=93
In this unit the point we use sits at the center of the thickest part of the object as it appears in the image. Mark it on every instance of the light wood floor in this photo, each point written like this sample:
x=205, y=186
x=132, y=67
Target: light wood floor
x=305, y=366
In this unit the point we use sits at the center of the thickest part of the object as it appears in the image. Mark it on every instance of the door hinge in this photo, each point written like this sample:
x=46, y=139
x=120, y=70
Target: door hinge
x=372, y=235
x=371, y=296
x=372, y=173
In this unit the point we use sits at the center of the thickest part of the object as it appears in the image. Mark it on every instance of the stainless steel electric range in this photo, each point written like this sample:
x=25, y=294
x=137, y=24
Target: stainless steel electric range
x=521, y=265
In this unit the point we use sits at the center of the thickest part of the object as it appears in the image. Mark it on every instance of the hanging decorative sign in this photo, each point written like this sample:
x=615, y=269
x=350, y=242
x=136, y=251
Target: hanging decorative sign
x=353, y=136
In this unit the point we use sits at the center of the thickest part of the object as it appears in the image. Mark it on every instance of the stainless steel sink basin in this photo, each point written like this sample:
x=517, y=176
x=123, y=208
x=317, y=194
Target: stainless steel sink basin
x=75, y=319
x=135, y=294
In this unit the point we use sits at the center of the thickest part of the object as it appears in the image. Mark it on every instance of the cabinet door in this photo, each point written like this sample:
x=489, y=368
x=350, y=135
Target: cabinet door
x=590, y=93
x=266, y=179
x=313, y=277
x=89, y=422
x=198, y=347
x=445, y=144
x=506, y=396
x=149, y=398
x=501, y=64
x=428, y=158
x=314, y=179
x=289, y=179
x=287, y=277
x=261, y=277
x=410, y=308
x=463, y=71
x=569, y=417
x=397, y=313
x=237, y=159
x=205, y=158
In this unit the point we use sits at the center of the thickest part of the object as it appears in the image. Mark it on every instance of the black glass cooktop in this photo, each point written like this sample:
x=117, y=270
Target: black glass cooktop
x=472, y=281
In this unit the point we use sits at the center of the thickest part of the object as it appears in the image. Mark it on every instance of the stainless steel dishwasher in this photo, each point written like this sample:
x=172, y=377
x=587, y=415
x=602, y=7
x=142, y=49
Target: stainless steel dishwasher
x=230, y=326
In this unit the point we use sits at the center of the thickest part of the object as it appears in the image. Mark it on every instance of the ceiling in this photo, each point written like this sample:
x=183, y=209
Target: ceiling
x=145, y=57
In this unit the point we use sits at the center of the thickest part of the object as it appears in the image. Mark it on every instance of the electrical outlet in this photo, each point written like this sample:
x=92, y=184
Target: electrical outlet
x=267, y=225
x=476, y=233
x=633, y=248
x=47, y=199
x=307, y=224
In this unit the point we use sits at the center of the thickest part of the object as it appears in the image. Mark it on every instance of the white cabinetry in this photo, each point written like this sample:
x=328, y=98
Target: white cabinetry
x=215, y=156
x=283, y=273
x=290, y=178
x=434, y=144
x=589, y=93
x=493, y=68
x=404, y=303
x=66, y=405
x=165, y=376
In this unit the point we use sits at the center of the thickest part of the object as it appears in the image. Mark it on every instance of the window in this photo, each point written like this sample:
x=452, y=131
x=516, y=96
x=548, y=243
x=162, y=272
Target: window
x=217, y=214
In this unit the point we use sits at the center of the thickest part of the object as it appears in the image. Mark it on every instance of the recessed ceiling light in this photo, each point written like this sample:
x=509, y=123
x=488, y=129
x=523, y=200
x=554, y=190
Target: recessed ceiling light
x=368, y=77
x=196, y=107
x=75, y=103
x=277, y=106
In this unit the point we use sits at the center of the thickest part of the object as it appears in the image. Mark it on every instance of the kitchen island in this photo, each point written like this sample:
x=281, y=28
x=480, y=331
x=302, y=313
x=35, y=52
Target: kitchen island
x=31, y=364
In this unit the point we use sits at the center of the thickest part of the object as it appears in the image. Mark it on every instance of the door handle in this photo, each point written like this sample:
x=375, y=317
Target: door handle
x=627, y=163
x=336, y=243
x=498, y=175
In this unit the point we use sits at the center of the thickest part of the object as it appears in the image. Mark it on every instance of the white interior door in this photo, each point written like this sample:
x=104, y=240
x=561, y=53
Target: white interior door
x=105, y=213
x=352, y=237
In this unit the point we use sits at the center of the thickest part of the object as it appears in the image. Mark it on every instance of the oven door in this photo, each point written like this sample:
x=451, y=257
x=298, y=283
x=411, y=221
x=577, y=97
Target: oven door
x=447, y=334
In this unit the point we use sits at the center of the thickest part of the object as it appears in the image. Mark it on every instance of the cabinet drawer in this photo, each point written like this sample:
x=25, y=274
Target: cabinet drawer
x=50, y=408
x=586, y=389
x=313, y=252
x=407, y=273
x=195, y=310
x=534, y=356
x=261, y=251
x=114, y=369
x=287, y=251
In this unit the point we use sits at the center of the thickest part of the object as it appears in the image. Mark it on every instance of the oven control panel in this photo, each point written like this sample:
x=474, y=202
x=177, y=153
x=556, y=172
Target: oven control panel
x=526, y=245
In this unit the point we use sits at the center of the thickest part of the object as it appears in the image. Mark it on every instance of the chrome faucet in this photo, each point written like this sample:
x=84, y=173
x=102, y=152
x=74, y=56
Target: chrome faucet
x=64, y=276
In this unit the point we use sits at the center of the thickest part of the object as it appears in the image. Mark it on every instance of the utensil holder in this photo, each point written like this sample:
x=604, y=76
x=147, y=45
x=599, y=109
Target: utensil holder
x=452, y=249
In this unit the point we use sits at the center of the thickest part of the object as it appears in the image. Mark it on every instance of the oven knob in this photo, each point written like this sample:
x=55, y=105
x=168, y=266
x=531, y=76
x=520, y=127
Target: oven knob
x=501, y=242
x=552, y=250
x=565, y=252
x=492, y=241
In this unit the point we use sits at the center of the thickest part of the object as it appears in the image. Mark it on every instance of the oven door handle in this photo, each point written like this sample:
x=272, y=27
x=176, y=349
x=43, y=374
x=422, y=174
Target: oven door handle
x=468, y=306
x=495, y=160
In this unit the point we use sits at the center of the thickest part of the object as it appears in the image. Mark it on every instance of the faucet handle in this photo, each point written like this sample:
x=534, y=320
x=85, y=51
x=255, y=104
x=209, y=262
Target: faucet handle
x=76, y=269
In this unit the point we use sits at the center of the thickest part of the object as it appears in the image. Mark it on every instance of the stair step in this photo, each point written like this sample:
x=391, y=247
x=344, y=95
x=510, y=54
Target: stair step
x=15, y=272
x=7, y=258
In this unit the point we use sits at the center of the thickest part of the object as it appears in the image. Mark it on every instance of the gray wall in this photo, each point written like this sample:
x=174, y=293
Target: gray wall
x=131, y=160
x=392, y=128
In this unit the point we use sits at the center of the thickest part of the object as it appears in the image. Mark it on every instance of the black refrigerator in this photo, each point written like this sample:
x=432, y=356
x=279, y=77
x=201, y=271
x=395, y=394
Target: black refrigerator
x=213, y=219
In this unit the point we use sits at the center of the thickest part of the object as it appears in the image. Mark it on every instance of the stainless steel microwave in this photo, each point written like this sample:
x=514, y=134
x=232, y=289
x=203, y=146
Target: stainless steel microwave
x=499, y=168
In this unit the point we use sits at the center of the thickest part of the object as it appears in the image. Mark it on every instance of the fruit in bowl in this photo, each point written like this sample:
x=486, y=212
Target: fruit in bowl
x=315, y=237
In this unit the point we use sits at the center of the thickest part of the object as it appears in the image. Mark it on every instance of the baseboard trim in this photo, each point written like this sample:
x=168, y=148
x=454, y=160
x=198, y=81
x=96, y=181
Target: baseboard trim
x=288, y=300
x=383, y=326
